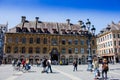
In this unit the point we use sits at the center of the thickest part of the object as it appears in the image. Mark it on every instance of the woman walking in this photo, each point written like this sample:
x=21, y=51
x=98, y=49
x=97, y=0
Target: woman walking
x=96, y=68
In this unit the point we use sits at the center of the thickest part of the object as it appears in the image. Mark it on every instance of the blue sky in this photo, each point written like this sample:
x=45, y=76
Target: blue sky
x=100, y=12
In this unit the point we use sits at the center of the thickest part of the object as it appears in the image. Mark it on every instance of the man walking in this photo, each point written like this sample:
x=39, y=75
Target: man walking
x=49, y=65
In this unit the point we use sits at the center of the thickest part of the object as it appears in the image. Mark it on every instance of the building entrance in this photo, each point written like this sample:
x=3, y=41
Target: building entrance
x=54, y=55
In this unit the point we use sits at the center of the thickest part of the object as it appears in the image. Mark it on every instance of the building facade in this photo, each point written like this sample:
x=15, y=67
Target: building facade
x=57, y=41
x=3, y=30
x=108, y=42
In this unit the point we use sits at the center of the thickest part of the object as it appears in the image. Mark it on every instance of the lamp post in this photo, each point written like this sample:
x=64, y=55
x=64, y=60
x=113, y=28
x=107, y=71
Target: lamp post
x=89, y=35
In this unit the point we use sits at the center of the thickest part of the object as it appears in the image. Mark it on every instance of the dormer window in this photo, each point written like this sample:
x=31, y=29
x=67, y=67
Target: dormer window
x=76, y=32
x=69, y=31
x=24, y=29
x=32, y=30
x=46, y=31
x=55, y=31
x=63, y=31
x=18, y=29
x=39, y=30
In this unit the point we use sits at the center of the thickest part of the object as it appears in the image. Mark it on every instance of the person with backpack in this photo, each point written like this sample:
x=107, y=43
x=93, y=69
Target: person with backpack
x=105, y=69
x=49, y=65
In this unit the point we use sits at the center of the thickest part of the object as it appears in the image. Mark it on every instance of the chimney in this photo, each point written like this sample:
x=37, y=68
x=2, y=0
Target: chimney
x=80, y=22
x=37, y=18
x=23, y=19
x=68, y=21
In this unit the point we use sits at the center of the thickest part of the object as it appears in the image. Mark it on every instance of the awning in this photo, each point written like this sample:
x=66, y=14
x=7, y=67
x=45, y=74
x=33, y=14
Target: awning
x=107, y=54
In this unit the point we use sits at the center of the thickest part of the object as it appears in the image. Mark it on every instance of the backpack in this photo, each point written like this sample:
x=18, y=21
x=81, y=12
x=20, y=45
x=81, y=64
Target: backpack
x=105, y=67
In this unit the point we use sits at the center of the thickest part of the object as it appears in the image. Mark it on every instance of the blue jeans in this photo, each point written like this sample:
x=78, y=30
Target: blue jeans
x=49, y=67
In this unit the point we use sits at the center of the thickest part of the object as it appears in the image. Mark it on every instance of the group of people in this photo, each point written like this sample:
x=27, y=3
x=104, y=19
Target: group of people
x=25, y=64
x=96, y=70
x=104, y=67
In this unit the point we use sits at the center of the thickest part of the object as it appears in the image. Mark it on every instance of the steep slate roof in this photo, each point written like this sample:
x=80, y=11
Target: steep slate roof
x=110, y=27
x=48, y=25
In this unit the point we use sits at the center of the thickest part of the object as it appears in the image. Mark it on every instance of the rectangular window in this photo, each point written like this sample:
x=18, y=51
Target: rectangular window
x=23, y=50
x=63, y=50
x=82, y=42
x=38, y=40
x=54, y=41
x=31, y=40
x=93, y=42
x=45, y=41
x=114, y=43
x=69, y=42
x=23, y=40
x=10, y=40
x=110, y=36
x=37, y=50
x=76, y=42
x=70, y=50
x=76, y=50
x=16, y=40
x=113, y=35
x=82, y=50
x=63, y=41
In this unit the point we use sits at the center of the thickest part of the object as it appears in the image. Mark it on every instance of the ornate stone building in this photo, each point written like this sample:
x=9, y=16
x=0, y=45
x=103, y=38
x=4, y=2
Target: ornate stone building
x=108, y=42
x=3, y=30
x=58, y=41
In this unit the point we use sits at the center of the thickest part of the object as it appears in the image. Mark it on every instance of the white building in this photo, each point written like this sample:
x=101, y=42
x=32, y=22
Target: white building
x=108, y=42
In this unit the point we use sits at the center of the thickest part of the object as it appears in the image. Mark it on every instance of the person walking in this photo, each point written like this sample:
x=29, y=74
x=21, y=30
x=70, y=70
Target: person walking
x=44, y=65
x=75, y=64
x=105, y=69
x=49, y=66
x=96, y=68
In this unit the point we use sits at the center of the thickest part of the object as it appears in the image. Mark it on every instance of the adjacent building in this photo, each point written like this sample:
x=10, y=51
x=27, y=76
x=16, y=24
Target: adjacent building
x=57, y=41
x=3, y=30
x=108, y=42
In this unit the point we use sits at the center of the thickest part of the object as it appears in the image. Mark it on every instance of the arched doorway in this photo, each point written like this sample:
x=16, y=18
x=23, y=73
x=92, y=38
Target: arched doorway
x=54, y=55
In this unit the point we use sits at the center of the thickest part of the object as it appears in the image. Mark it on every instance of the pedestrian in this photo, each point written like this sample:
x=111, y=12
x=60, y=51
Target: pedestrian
x=27, y=66
x=96, y=68
x=23, y=63
x=44, y=65
x=75, y=65
x=38, y=63
x=48, y=66
x=105, y=69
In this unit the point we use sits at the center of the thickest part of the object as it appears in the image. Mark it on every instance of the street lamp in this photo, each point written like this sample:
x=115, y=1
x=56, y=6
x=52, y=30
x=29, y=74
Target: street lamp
x=89, y=34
